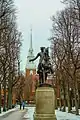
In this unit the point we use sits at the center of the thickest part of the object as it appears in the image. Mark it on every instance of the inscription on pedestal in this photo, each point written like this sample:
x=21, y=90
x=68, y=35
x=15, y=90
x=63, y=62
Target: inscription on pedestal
x=45, y=101
x=45, y=104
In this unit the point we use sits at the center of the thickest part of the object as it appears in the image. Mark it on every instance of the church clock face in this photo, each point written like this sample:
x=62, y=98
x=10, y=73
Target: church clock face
x=31, y=72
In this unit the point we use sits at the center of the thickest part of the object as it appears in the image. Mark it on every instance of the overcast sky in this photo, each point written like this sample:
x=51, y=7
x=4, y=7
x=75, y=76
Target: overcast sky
x=36, y=13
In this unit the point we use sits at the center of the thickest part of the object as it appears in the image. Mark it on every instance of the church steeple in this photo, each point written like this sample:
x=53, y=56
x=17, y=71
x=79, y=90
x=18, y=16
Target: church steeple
x=30, y=65
x=30, y=52
x=31, y=40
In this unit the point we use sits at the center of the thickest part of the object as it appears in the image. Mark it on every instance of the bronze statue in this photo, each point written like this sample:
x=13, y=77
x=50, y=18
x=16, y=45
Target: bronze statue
x=44, y=66
x=41, y=55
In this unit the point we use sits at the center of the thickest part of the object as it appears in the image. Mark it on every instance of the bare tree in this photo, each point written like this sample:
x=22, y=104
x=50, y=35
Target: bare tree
x=66, y=38
x=19, y=87
x=10, y=43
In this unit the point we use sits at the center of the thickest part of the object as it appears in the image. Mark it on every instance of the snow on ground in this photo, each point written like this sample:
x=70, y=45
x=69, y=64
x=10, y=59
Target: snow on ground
x=30, y=112
x=66, y=116
x=59, y=115
x=11, y=110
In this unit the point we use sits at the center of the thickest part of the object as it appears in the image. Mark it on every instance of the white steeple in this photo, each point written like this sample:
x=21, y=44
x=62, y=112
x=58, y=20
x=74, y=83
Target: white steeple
x=31, y=39
x=30, y=65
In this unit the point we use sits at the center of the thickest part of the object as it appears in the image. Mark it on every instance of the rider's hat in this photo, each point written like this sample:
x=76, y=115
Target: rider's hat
x=42, y=48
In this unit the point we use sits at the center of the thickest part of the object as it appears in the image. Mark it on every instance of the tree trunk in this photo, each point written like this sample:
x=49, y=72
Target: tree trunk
x=55, y=100
x=4, y=87
x=79, y=99
x=10, y=91
x=9, y=98
x=4, y=106
x=75, y=95
x=0, y=97
x=60, y=105
x=64, y=109
x=60, y=102
x=68, y=98
x=76, y=102
x=68, y=101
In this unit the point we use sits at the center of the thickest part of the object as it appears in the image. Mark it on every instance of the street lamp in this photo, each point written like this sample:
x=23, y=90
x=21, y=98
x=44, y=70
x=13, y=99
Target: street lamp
x=78, y=4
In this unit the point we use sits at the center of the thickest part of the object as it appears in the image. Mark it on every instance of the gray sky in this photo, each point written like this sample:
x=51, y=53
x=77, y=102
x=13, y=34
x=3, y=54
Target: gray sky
x=36, y=13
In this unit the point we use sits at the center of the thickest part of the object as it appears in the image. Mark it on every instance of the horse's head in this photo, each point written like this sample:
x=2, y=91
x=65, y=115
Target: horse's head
x=47, y=50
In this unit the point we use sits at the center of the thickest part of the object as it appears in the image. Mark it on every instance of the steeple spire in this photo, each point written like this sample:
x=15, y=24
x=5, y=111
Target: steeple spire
x=31, y=39
x=30, y=65
x=31, y=48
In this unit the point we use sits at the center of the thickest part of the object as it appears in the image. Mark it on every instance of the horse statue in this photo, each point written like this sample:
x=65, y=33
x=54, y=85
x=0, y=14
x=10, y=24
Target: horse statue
x=44, y=66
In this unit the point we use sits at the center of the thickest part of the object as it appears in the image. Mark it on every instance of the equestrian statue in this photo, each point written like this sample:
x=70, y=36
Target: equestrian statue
x=44, y=66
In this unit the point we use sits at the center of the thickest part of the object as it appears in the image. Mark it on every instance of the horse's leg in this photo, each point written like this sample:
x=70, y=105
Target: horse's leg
x=45, y=76
x=51, y=69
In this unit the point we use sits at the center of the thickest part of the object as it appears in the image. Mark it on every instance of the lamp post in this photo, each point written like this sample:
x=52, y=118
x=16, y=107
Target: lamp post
x=78, y=4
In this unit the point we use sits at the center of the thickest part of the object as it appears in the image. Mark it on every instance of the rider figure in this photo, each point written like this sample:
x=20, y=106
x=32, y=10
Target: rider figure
x=47, y=64
x=46, y=55
x=41, y=55
x=44, y=66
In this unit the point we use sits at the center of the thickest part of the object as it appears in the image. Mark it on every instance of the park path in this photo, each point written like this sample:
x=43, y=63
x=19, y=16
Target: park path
x=16, y=115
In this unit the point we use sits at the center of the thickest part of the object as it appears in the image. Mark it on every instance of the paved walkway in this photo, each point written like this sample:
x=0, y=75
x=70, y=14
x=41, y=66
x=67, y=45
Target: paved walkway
x=16, y=115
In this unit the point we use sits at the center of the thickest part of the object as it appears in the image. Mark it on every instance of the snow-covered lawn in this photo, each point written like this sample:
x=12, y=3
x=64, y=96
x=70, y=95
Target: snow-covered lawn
x=30, y=112
x=59, y=115
x=66, y=116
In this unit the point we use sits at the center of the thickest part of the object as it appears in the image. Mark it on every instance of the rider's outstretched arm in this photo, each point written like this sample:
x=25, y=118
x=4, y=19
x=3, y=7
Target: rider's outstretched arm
x=35, y=58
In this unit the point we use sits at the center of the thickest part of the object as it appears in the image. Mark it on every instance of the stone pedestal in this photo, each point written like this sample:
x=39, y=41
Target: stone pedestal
x=45, y=104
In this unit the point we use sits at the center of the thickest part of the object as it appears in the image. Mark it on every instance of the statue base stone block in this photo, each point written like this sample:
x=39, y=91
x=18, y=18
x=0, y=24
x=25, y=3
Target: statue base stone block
x=45, y=103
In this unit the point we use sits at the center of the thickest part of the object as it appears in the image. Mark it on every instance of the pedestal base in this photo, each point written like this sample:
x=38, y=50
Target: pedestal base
x=44, y=117
x=45, y=104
